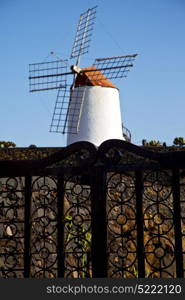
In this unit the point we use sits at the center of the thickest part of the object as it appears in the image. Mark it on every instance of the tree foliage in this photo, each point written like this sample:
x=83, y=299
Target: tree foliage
x=179, y=141
x=7, y=144
x=152, y=143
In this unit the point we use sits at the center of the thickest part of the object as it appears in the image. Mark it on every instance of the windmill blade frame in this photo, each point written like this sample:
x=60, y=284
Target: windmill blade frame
x=47, y=75
x=113, y=67
x=67, y=111
x=83, y=34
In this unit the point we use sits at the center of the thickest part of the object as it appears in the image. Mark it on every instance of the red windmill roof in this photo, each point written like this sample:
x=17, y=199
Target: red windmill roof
x=92, y=78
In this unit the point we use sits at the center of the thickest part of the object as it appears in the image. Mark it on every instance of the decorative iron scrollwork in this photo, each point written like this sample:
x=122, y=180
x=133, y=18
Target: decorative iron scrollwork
x=119, y=152
x=43, y=250
x=81, y=154
x=159, y=225
x=121, y=215
x=12, y=227
x=77, y=216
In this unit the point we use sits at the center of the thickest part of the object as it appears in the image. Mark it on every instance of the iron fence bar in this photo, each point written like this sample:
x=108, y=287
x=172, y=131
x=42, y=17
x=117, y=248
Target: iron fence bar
x=139, y=223
x=177, y=223
x=60, y=226
x=99, y=223
x=27, y=226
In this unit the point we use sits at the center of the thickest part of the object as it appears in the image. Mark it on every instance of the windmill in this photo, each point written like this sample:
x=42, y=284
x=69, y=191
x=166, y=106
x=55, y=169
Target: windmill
x=88, y=107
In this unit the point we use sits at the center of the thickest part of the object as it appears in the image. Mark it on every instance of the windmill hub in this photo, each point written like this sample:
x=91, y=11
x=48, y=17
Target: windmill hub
x=75, y=69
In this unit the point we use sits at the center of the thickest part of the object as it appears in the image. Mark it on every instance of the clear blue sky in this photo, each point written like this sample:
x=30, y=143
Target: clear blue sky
x=153, y=95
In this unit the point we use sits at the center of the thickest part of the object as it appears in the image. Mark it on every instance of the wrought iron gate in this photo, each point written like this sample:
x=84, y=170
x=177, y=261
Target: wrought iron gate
x=115, y=211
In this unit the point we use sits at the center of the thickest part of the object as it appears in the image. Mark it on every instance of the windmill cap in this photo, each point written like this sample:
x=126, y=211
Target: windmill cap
x=91, y=76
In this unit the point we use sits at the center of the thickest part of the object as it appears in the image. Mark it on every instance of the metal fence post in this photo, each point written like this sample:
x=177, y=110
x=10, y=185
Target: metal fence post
x=139, y=223
x=177, y=223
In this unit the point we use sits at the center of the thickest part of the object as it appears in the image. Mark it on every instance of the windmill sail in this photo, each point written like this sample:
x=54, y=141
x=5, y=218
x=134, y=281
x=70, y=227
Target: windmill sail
x=113, y=67
x=83, y=34
x=47, y=75
x=67, y=110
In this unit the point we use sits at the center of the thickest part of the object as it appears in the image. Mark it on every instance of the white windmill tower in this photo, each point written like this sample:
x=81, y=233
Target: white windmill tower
x=89, y=108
